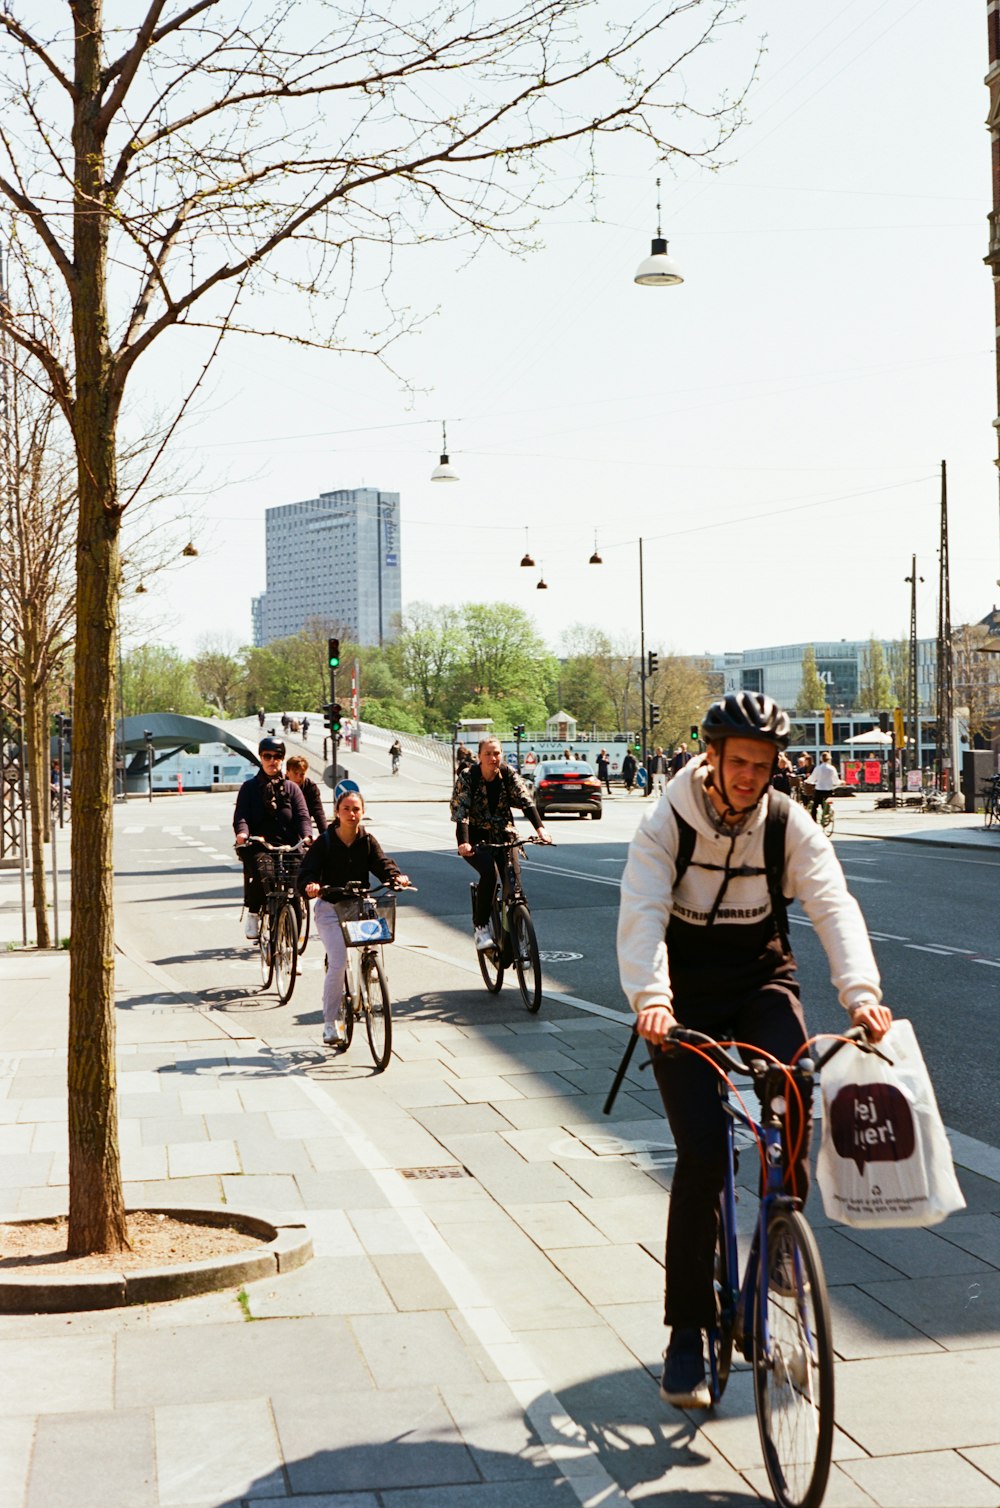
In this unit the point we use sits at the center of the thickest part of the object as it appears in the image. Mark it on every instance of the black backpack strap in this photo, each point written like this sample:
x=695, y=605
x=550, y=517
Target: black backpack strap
x=685, y=846
x=775, y=826
x=774, y=860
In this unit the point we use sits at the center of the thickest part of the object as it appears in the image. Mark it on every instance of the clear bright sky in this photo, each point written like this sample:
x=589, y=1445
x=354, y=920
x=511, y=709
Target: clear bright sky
x=773, y=427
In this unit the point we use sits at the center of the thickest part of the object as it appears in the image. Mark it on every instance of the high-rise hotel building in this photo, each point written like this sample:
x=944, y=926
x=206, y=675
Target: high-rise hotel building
x=335, y=557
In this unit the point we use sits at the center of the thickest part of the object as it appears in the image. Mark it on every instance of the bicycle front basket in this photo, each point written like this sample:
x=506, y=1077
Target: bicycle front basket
x=278, y=870
x=365, y=922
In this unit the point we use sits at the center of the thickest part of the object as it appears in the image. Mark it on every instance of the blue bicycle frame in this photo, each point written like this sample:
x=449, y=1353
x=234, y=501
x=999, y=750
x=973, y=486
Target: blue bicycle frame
x=738, y=1307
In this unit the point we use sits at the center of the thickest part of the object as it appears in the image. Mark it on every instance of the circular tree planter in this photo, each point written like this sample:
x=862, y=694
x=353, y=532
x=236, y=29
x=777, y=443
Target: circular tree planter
x=35, y=1284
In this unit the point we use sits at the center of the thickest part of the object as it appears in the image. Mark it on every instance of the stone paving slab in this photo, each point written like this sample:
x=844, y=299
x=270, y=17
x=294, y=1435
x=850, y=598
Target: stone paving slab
x=210, y=1452
x=83, y=1459
x=924, y=1481
x=403, y=1437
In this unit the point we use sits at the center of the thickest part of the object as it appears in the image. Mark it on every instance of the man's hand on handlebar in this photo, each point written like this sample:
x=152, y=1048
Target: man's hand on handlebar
x=876, y=1019
x=241, y=838
x=465, y=849
x=541, y=836
x=654, y=1023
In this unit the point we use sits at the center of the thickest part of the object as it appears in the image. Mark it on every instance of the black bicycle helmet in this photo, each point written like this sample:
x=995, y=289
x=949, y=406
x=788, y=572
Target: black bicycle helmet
x=747, y=714
x=271, y=746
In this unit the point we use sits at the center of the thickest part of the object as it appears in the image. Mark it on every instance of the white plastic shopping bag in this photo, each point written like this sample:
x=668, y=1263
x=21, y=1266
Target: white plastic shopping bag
x=884, y=1158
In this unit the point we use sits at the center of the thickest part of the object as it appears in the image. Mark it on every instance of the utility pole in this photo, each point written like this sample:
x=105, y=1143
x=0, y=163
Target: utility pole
x=912, y=760
x=642, y=667
x=945, y=710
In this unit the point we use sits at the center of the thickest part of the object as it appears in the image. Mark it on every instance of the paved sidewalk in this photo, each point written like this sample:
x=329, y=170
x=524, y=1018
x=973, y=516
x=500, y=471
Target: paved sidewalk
x=481, y=1324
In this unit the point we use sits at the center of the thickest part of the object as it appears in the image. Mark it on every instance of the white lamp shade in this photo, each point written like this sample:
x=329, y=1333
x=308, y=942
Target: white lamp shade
x=658, y=270
x=444, y=471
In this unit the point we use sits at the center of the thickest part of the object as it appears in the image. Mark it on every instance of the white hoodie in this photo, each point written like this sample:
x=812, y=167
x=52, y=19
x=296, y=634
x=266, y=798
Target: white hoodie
x=812, y=875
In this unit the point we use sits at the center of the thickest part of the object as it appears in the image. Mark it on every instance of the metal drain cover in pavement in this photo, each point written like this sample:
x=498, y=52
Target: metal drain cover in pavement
x=448, y=1172
x=559, y=957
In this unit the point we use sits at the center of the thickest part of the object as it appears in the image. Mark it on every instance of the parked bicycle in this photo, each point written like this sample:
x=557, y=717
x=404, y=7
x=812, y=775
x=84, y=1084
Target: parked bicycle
x=512, y=930
x=779, y=1314
x=368, y=921
x=991, y=800
x=280, y=916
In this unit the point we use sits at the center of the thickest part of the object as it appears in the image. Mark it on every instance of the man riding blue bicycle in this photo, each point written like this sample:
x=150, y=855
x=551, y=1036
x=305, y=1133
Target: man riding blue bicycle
x=482, y=809
x=702, y=943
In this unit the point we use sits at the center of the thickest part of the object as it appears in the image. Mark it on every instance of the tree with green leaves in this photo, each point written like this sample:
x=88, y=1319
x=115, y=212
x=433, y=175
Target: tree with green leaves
x=875, y=682
x=156, y=678
x=812, y=692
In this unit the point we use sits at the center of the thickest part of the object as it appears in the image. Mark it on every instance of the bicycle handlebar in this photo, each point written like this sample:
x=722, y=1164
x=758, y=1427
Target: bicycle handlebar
x=718, y=1050
x=271, y=847
x=355, y=890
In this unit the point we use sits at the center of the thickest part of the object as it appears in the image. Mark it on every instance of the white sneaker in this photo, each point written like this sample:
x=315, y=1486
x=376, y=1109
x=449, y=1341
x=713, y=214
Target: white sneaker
x=484, y=939
x=251, y=927
x=333, y=1035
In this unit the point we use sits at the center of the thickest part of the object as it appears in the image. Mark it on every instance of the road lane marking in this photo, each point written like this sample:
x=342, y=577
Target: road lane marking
x=590, y=1006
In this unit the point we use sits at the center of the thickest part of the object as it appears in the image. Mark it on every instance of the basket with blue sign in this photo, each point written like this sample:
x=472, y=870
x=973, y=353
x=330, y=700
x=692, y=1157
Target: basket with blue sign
x=365, y=922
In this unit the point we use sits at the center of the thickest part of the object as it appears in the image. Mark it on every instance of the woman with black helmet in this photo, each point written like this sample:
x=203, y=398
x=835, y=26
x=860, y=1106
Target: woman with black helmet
x=268, y=806
x=700, y=944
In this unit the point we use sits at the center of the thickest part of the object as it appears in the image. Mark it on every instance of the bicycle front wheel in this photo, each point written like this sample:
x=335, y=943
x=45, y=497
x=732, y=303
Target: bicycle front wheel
x=286, y=950
x=302, y=906
x=378, y=1012
x=826, y=818
x=720, y=1339
x=793, y=1364
x=526, y=961
x=491, y=959
x=264, y=948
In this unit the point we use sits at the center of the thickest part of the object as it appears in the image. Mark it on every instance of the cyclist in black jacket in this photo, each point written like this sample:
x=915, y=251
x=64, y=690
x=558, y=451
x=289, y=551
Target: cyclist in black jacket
x=268, y=806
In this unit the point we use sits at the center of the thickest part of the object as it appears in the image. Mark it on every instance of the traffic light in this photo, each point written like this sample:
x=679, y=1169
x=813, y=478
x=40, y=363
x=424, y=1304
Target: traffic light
x=519, y=731
x=827, y=726
x=883, y=722
x=64, y=726
x=653, y=662
x=654, y=714
x=694, y=733
x=333, y=653
x=333, y=712
x=899, y=725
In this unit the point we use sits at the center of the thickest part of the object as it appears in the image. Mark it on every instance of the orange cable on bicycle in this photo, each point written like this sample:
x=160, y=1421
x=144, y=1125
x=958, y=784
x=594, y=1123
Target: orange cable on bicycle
x=717, y=1068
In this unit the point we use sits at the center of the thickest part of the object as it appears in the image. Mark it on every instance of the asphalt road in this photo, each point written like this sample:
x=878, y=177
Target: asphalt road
x=931, y=910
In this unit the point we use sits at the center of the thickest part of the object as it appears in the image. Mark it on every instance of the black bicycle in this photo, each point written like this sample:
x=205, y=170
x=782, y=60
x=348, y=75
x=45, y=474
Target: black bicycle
x=511, y=928
x=991, y=800
x=280, y=918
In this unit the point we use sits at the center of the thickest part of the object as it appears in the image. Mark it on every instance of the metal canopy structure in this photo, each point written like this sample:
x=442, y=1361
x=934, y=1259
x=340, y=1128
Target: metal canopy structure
x=170, y=732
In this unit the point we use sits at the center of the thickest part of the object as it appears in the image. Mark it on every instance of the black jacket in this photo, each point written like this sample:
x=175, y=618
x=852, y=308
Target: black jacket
x=314, y=801
x=285, y=821
x=330, y=862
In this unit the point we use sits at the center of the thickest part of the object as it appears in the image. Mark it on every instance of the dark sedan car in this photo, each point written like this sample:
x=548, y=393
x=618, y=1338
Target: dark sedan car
x=567, y=785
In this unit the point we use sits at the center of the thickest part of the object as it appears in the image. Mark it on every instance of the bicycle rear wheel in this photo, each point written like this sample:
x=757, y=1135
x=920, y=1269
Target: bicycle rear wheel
x=826, y=818
x=286, y=950
x=264, y=948
x=378, y=1011
x=793, y=1365
x=491, y=959
x=527, y=963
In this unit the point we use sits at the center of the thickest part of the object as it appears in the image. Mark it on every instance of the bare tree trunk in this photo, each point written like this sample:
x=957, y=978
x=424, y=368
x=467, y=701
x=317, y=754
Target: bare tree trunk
x=37, y=771
x=96, y=1202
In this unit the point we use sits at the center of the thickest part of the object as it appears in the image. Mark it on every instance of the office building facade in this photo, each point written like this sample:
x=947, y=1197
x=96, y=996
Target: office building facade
x=337, y=558
x=777, y=670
